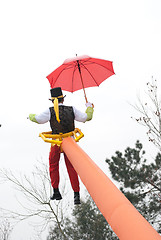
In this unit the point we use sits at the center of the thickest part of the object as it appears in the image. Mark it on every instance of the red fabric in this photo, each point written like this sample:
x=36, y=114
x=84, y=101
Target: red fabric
x=93, y=72
x=54, y=158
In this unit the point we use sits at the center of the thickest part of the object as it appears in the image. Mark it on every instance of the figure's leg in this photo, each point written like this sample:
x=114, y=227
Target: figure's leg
x=72, y=174
x=73, y=179
x=54, y=158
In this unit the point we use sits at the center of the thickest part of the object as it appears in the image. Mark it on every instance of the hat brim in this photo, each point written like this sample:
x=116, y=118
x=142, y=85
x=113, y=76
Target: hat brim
x=53, y=99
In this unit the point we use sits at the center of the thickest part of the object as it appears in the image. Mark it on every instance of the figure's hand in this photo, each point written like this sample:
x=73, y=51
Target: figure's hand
x=88, y=104
x=32, y=118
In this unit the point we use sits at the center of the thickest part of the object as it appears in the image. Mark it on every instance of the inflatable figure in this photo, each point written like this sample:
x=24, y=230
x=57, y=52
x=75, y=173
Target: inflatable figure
x=62, y=121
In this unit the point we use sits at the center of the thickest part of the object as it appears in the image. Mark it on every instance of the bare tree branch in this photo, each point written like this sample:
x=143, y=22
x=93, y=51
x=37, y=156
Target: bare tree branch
x=150, y=113
x=5, y=229
x=34, y=190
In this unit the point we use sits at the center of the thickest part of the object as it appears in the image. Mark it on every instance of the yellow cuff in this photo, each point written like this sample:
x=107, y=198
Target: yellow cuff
x=32, y=118
x=89, y=112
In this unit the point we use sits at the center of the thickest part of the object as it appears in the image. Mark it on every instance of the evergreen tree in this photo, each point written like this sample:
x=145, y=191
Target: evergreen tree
x=140, y=182
x=85, y=223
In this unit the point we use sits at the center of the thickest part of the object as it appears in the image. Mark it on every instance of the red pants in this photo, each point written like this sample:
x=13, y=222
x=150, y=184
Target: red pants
x=54, y=158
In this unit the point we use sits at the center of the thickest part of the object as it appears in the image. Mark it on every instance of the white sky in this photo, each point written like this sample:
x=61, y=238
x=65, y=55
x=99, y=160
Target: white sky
x=37, y=36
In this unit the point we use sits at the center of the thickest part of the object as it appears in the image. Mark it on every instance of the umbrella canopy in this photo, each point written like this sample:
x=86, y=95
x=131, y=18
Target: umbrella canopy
x=80, y=73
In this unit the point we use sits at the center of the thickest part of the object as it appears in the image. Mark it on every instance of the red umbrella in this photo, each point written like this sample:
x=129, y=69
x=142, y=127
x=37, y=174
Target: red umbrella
x=80, y=73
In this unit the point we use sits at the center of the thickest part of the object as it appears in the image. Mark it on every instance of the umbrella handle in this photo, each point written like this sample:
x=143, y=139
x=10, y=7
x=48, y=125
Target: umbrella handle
x=85, y=95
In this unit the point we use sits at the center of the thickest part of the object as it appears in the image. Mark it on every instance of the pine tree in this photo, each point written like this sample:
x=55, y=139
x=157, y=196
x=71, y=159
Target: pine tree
x=140, y=182
x=85, y=223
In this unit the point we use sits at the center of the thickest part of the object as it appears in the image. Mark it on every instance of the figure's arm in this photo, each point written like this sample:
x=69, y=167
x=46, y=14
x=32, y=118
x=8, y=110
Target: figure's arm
x=41, y=118
x=83, y=117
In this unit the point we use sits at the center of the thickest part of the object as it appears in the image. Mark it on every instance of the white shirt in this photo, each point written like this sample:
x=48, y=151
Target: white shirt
x=45, y=116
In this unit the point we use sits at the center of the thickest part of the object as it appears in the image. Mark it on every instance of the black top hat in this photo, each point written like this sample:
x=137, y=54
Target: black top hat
x=56, y=92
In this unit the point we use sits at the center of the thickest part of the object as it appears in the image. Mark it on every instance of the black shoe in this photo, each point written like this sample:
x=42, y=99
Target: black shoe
x=76, y=198
x=56, y=195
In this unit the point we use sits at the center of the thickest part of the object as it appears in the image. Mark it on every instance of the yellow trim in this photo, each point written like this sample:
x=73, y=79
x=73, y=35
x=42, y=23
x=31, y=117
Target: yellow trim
x=56, y=109
x=58, y=138
x=52, y=98
x=56, y=106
